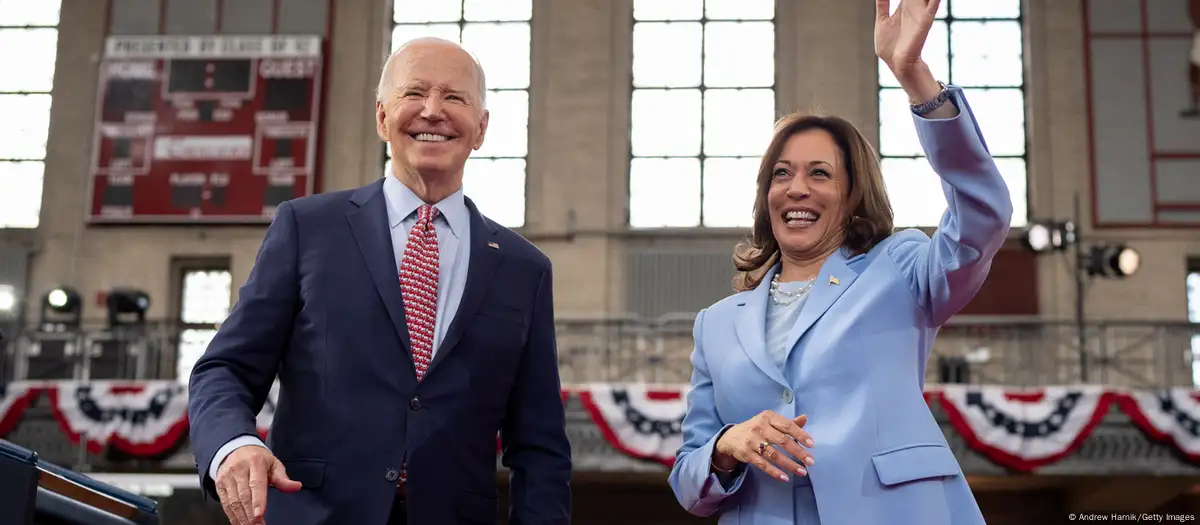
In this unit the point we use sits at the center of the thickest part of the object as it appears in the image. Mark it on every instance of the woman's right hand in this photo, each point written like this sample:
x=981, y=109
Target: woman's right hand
x=758, y=440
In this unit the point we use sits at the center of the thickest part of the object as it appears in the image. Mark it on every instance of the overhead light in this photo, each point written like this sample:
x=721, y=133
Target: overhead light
x=122, y=302
x=1113, y=260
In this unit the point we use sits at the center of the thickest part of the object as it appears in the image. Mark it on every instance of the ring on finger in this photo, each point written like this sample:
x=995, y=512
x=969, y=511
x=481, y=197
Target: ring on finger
x=762, y=448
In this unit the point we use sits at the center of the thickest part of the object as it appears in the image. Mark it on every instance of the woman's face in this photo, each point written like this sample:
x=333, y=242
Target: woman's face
x=808, y=194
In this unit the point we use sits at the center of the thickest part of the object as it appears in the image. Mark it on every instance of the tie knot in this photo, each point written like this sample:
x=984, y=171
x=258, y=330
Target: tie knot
x=426, y=213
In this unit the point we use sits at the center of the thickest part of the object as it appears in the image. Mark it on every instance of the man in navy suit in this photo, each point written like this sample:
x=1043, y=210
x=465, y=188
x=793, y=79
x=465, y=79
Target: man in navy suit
x=406, y=329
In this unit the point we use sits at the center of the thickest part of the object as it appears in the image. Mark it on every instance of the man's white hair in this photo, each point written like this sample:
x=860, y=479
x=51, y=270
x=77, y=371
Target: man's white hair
x=385, y=77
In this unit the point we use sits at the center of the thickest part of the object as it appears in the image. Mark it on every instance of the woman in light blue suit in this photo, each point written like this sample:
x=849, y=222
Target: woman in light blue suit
x=806, y=399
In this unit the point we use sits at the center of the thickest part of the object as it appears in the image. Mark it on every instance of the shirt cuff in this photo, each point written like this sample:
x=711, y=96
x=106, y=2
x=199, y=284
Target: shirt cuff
x=228, y=448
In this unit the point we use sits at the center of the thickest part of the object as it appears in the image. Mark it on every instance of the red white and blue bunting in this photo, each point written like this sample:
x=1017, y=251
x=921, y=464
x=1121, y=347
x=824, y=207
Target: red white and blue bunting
x=1018, y=428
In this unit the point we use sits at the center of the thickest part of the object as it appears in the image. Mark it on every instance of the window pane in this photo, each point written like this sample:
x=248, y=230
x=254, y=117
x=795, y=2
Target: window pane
x=897, y=131
x=941, y=12
x=739, y=9
x=192, y=344
x=667, y=9
x=729, y=191
x=1001, y=116
x=508, y=125
x=984, y=8
x=1015, y=176
x=664, y=193
x=915, y=192
x=31, y=69
x=24, y=124
x=986, y=53
x=418, y=11
x=666, y=54
x=936, y=53
x=206, y=296
x=738, y=122
x=739, y=54
x=29, y=13
x=497, y=10
x=503, y=49
x=21, y=200
x=404, y=33
x=665, y=122
x=497, y=187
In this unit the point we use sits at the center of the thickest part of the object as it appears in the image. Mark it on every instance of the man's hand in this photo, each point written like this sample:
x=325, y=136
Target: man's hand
x=242, y=481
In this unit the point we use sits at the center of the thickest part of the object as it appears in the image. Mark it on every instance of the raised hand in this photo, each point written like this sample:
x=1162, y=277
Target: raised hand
x=242, y=481
x=900, y=36
x=762, y=440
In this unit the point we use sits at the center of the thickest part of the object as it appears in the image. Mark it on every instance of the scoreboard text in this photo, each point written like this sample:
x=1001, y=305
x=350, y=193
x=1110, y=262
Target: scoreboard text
x=204, y=128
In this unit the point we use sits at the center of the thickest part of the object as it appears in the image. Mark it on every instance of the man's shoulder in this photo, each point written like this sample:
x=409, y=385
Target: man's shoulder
x=514, y=245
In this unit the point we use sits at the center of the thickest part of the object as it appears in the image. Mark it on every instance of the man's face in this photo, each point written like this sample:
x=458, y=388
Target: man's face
x=433, y=114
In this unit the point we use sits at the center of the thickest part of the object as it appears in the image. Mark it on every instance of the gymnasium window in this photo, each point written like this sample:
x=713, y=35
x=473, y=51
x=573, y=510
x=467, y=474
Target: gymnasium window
x=204, y=304
x=32, y=28
x=976, y=45
x=701, y=111
x=497, y=32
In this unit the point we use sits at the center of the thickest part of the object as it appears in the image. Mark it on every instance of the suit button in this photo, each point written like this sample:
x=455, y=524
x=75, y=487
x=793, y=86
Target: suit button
x=787, y=396
x=414, y=403
x=391, y=475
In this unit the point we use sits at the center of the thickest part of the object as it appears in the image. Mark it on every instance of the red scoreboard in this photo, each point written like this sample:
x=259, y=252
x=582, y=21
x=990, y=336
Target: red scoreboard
x=204, y=129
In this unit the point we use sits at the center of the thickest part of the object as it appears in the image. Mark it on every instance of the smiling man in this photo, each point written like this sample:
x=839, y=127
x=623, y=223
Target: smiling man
x=406, y=330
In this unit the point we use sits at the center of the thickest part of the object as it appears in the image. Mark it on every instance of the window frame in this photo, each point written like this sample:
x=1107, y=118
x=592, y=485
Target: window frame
x=702, y=88
x=462, y=24
x=1022, y=88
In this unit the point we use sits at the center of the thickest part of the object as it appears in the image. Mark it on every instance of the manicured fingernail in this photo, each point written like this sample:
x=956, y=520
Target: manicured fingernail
x=809, y=461
x=783, y=477
x=801, y=471
x=808, y=442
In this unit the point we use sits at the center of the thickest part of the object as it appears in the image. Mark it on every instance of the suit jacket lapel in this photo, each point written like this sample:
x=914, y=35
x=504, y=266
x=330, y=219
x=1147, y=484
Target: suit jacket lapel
x=480, y=269
x=369, y=224
x=834, y=278
x=751, y=328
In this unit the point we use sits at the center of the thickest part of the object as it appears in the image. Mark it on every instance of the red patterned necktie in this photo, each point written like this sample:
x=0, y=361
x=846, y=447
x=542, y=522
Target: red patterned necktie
x=419, y=286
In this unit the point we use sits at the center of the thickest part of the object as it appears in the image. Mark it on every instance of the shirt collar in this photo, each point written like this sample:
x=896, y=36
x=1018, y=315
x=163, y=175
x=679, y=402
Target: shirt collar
x=403, y=203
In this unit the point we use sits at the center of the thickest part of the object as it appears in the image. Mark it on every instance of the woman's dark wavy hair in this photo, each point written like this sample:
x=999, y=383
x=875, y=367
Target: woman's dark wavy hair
x=869, y=220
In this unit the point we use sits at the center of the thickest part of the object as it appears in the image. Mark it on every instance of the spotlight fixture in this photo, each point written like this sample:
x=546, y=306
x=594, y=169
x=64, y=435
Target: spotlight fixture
x=1041, y=237
x=125, y=302
x=61, y=307
x=1112, y=260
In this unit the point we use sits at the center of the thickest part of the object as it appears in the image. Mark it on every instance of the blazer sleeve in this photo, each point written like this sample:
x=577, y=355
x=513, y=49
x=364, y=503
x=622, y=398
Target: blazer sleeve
x=231, y=381
x=537, y=451
x=945, y=271
x=697, y=488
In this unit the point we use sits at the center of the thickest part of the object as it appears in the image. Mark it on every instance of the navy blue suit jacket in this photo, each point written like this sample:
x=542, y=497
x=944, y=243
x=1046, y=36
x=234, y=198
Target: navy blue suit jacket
x=322, y=309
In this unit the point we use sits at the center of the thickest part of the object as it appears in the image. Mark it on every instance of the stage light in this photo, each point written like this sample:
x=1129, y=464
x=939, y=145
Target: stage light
x=1112, y=260
x=1049, y=235
x=122, y=302
x=61, y=306
x=8, y=299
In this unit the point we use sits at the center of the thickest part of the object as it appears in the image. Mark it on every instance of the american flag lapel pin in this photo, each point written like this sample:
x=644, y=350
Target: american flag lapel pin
x=493, y=246
x=833, y=281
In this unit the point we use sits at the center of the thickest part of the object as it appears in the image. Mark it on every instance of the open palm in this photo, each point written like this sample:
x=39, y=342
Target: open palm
x=900, y=36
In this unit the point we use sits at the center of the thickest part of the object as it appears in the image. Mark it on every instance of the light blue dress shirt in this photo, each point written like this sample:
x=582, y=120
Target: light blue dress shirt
x=453, y=226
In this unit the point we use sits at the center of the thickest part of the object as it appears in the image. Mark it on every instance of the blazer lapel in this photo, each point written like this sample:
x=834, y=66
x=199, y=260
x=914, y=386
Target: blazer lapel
x=480, y=269
x=369, y=224
x=751, y=328
x=834, y=278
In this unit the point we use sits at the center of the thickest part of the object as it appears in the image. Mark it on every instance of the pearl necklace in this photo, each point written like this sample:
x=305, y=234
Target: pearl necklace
x=782, y=298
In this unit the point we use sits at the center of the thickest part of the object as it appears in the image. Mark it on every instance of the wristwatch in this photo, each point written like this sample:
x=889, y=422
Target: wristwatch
x=924, y=108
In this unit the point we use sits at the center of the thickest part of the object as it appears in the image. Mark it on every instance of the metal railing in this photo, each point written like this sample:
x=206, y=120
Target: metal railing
x=624, y=349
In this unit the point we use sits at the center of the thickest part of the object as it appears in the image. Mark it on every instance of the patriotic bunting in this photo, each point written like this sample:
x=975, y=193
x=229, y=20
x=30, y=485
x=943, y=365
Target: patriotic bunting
x=1018, y=428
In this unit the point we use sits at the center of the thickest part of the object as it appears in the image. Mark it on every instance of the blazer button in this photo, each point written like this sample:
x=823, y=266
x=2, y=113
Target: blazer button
x=787, y=396
x=391, y=475
x=414, y=403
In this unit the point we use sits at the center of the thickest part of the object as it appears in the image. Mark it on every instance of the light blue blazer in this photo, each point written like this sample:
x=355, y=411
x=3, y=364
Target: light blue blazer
x=856, y=365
